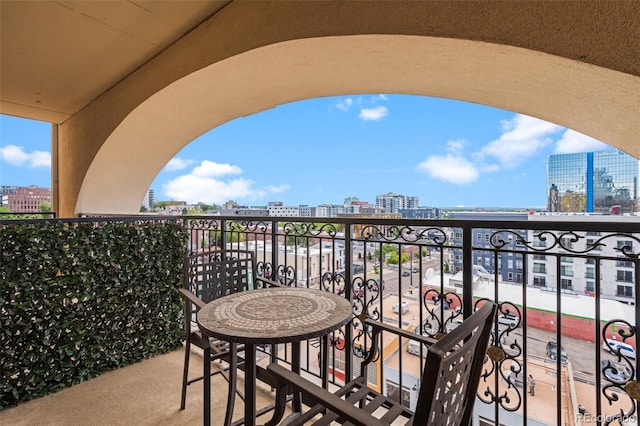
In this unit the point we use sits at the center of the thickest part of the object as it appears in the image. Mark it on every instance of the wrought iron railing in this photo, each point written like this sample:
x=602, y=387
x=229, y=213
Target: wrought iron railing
x=427, y=275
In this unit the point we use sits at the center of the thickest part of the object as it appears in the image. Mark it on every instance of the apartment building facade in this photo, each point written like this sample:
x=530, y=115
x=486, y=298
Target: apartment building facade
x=24, y=199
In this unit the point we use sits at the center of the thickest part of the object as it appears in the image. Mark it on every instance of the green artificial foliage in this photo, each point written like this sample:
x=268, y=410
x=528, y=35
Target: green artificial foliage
x=79, y=298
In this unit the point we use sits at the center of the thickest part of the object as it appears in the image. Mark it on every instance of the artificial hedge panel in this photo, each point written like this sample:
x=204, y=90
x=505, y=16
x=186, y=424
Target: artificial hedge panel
x=81, y=298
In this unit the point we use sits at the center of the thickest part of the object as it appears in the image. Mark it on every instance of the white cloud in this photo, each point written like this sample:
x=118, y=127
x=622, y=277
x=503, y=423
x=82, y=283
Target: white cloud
x=373, y=114
x=212, y=169
x=205, y=184
x=523, y=137
x=177, y=163
x=344, y=105
x=17, y=156
x=450, y=168
x=572, y=141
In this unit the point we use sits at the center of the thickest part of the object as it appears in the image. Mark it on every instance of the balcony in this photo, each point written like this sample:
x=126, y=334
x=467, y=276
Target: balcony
x=367, y=260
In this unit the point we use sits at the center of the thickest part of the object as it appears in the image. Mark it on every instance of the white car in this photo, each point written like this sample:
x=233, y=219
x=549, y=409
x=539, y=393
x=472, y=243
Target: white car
x=616, y=347
x=508, y=319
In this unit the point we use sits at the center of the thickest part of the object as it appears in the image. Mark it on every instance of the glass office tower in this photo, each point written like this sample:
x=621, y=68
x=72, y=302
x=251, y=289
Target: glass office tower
x=593, y=182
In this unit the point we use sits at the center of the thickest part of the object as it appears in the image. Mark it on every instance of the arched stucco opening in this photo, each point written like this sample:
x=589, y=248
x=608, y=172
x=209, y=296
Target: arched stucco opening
x=595, y=101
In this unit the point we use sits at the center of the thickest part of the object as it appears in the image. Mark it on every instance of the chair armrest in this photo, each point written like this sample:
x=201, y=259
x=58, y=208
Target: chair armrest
x=355, y=415
x=192, y=297
x=268, y=282
x=380, y=326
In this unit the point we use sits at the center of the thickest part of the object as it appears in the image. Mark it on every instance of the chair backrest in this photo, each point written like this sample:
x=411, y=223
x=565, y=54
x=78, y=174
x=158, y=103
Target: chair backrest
x=216, y=273
x=452, y=371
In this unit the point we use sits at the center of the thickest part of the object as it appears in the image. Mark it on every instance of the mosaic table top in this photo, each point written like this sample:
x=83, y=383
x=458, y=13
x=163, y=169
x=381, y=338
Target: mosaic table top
x=274, y=315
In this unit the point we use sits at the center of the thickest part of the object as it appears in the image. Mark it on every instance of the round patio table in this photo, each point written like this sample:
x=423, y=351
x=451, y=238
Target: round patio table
x=269, y=316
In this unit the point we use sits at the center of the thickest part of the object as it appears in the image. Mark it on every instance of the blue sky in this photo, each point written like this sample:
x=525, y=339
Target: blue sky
x=448, y=153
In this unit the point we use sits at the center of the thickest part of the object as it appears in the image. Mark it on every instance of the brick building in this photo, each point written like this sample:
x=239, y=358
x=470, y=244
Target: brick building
x=26, y=199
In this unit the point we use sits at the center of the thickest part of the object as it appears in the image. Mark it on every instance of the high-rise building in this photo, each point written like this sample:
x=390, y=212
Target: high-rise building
x=149, y=200
x=393, y=203
x=593, y=182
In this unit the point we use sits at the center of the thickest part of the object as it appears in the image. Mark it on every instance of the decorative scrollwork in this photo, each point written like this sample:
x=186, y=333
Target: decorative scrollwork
x=498, y=241
x=333, y=282
x=620, y=376
x=504, y=359
x=565, y=241
x=496, y=353
x=309, y=229
x=440, y=318
x=203, y=224
x=286, y=275
x=248, y=226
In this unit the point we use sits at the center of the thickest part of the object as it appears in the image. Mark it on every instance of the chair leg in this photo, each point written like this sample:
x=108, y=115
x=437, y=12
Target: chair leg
x=185, y=373
x=280, y=405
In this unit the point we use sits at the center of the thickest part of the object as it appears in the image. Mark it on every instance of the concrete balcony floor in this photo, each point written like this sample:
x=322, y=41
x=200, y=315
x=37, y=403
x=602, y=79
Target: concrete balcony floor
x=146, y=393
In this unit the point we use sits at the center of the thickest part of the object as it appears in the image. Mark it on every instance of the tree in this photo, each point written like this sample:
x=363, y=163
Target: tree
x=45, y=207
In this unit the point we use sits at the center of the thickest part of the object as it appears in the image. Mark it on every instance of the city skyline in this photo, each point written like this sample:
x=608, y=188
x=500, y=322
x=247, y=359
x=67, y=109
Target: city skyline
x=322, y=151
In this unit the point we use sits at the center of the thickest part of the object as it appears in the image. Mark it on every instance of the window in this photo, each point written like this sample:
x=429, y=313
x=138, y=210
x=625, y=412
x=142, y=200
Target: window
x=591, y=245
x=486, y=238
x=539, y=281
x=591, y=261
x=539, y=257
x=510, y=276
x=478, y=237
x=566, y=259
x=487, y=261
x=519, y=265
x=624, y=276
x=510, y=263
x=566, y=242
x=591, y=272
x=566, y=284
x=624, y=263
x=537, y=242
x=337, y=361
x=393, y=391
x=590, y=286
x=458, y=235
x=626, y=244
x=624, y=291
x=566, y=270
x=540, y=268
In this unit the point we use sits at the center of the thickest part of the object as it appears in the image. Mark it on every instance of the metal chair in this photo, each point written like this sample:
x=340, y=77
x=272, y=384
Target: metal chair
x=209, y=275
x=448, y=385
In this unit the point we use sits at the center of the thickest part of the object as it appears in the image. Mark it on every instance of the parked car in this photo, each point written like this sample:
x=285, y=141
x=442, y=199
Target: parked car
x=616, y=347
x=376, y=285
x=405, y=308
x=615, y=371
x=405, y=273
x=552, y=352
x=508, y=319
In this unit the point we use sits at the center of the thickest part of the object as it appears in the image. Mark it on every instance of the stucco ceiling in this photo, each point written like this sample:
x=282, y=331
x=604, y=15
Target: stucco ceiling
x=58, y=56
